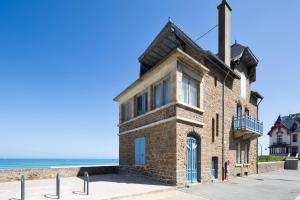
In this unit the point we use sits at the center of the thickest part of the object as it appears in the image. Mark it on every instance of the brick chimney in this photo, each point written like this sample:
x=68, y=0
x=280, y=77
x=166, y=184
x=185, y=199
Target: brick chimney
x=224, y=32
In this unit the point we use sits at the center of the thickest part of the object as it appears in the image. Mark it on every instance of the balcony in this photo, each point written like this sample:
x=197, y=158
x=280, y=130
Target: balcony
x=247, y=127
x=280, y=144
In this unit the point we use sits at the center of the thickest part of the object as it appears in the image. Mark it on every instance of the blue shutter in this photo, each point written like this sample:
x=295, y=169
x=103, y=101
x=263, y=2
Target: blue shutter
x=140, y=151
x=136, y=151
x=143, y=151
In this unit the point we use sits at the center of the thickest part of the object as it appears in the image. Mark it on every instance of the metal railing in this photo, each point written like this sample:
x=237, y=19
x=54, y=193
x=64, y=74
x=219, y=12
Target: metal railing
x=248, y=122
x=280, y=144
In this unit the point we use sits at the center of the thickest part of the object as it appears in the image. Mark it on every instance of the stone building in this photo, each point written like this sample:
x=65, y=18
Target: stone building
x=191, y=110
x=285, y=136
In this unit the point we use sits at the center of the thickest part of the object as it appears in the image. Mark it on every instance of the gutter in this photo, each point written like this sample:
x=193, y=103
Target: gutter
x=223, y=126
x=257, y=111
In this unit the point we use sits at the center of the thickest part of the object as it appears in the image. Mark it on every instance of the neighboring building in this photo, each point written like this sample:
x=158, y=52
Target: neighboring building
x=191, y=110
x=285, y=136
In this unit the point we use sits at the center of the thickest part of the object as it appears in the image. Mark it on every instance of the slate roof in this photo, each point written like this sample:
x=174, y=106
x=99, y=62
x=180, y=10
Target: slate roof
x=291, y=122
x=169, y=38
x=257, y=95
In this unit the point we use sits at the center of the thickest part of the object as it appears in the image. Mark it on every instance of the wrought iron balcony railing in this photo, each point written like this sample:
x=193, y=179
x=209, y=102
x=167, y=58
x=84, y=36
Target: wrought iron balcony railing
x=280, y=144
x=246, y=122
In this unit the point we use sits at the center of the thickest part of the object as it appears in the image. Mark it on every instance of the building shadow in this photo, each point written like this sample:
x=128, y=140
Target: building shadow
x=121, y=178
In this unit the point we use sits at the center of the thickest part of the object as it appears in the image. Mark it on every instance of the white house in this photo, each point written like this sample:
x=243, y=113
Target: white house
x=285, y=135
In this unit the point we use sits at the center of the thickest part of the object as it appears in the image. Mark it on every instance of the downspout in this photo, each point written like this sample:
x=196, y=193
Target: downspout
x=257, y=111
x=223, y=127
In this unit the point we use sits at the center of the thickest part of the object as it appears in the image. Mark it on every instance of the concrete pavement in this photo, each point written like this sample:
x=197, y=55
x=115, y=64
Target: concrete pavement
x=164, y=195
x=279, y=185
x=101, y=187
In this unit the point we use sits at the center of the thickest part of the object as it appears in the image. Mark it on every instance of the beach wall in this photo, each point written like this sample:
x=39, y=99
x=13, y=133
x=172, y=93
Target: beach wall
x=265, y=167
x=48, y=173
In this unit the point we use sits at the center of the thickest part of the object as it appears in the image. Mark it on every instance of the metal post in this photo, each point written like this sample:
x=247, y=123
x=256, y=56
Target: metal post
x=22, y=187
x=86, y=183
x=58, y=186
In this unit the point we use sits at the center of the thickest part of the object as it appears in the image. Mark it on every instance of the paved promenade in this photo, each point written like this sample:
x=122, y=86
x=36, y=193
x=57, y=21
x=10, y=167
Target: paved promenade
x=101, y=187
x=278, y=185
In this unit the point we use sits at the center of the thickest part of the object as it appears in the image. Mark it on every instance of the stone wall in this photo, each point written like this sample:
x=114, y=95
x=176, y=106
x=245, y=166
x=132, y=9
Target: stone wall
x=151, y=117
x=265, y=167
x=47, y=173
x=160, y=152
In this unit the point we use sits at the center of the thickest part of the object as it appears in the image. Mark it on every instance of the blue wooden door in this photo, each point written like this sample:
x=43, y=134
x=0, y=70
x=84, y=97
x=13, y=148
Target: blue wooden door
x=214, y=167
x=192, y=160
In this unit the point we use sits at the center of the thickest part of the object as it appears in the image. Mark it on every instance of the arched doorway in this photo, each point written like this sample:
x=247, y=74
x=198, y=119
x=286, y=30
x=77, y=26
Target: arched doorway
x=192, y=157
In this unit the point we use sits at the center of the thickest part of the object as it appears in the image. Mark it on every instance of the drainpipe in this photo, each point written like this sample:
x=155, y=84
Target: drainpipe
x=223, y=127
x=257, y=111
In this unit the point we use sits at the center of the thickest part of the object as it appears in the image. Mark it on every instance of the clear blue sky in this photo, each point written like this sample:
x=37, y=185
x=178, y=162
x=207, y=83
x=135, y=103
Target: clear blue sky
x=62, y=62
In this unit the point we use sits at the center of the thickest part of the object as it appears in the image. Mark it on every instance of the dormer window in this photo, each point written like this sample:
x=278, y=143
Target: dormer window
x=243, y=85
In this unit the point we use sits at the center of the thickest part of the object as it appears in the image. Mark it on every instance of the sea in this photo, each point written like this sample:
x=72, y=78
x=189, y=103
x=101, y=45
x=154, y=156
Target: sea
x=6, y=164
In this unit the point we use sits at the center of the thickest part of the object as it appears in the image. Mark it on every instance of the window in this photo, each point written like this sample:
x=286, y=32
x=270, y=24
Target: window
x=239, y=111
x=162, y=93
x=189, y=91
x=142, y=104
x=279, y=139
x=247, y=112
x=139, y=151
x=238, y=153
x=213, y=130
x=217, y=124
x=295, y=138
x=246, y=154
x=243, y=85
x=216, y=81
x=127, y=111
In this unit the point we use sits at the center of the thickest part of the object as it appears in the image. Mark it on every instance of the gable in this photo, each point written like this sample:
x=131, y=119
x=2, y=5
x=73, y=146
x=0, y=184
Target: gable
x=170, y=38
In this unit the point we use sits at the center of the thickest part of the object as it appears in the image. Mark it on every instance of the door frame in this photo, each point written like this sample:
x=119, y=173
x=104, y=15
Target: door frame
x=214, y=163
x=198, y=158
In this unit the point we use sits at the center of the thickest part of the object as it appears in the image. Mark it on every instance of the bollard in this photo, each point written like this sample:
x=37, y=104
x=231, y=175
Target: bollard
x=58, y=186
x=86, y=183
x=22, y=187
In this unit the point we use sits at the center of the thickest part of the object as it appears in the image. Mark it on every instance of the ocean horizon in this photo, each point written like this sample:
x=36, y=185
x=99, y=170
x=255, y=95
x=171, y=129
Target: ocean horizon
x=27, y=163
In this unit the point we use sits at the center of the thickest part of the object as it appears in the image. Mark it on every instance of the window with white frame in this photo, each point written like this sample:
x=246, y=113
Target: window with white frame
x=246, y=153
x=126, y=111
x=279, y=139
x=238, y=153
x=295, y=138
x=142, y=103
x=140, y=151
x=162, y=93
x=243, y=85
x=190, y=91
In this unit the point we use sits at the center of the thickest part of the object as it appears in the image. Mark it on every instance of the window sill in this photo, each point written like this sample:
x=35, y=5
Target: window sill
x=246, y=164
x=191, y=107
x=238, y=165
x=200, y=110
x=147, y=113
x=139, y=166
